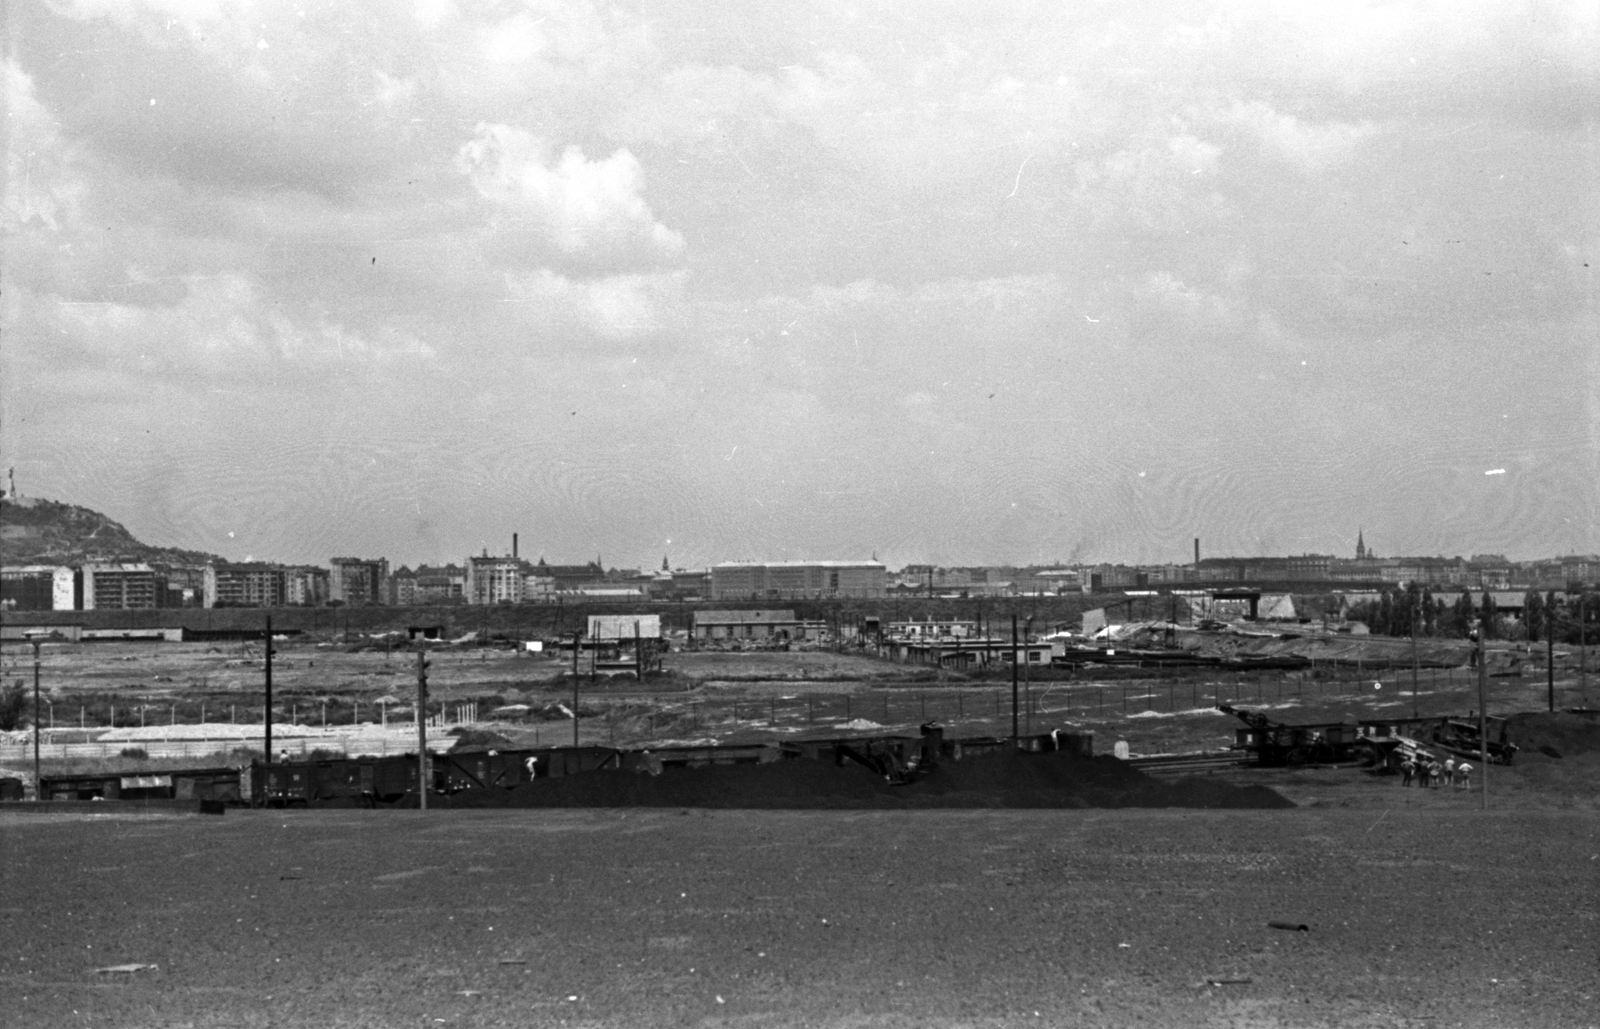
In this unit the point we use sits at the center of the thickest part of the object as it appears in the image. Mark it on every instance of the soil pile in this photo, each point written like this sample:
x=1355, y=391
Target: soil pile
x=1567, y=734
x=1049, y=780
x=472, y=741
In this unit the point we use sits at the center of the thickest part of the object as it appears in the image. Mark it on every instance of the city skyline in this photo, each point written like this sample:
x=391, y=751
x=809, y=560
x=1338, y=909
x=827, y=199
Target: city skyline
x=946, y=285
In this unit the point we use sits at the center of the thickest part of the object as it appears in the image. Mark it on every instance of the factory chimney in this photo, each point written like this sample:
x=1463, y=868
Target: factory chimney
x=513, y=546
x=1197, y=551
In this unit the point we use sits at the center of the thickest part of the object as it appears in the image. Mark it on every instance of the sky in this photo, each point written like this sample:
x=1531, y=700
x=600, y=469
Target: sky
x=947, y=282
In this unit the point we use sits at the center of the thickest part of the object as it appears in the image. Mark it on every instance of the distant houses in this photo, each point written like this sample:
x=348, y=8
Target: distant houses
x=497, y=580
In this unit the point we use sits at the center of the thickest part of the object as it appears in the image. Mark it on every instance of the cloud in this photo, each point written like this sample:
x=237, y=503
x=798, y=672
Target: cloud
x=221, y=328
x=591, y=209
x=614, y=307
x=1311, y=147
x=42, y=189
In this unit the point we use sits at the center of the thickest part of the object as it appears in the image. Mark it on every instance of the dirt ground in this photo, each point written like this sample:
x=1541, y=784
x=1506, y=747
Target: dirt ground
x=1444, y=916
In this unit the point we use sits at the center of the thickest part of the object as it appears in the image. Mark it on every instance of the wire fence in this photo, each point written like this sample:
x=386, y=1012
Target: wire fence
x=983, y=708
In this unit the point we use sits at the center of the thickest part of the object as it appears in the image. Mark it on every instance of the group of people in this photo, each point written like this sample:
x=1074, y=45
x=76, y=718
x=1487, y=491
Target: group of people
x=1430, y=773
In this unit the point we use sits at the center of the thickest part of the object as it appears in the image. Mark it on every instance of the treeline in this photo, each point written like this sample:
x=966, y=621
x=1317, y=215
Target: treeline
x=1573, y=618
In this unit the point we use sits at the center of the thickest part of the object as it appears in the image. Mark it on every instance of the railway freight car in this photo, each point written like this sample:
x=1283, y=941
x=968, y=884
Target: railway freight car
x=221, y=784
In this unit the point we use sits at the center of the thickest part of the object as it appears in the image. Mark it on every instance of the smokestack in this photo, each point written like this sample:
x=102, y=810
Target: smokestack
x=514, y=545
x=1197, y=551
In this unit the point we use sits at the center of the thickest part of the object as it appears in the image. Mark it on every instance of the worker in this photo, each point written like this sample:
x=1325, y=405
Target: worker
x=1450, y=770
x=1435, y=773
x=1463, y=776
x=1408, y=768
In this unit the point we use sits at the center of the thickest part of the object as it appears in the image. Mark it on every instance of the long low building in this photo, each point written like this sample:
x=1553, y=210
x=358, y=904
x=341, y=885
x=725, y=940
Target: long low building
x=796, y=580
x=746, y=625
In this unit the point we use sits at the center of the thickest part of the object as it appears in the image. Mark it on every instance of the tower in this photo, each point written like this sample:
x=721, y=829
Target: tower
x=1361, y=546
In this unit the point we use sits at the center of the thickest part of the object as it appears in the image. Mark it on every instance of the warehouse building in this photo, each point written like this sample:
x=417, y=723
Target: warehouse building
x=750, y=625
x=40, y=588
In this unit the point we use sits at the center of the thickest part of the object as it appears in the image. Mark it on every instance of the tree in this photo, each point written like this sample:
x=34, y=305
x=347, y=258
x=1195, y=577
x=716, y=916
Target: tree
x=1429, y=613
x=13, y=698
x=1461, y=615
x=1487, y=614
x=1385, y=626
x=1533, y=614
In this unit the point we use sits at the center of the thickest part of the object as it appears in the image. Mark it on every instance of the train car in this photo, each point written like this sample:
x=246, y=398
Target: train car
x=184, y=784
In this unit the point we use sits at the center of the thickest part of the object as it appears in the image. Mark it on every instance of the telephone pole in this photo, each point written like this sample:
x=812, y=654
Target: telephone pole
x=1550, y=649
x=1416, y=616
x=577, y=643
x=267, y=717
x=1015, y=735
x=1483, y=712
x=423, y=771
x=38, y=783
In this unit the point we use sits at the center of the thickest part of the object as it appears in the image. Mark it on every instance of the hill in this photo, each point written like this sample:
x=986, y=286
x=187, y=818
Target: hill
x=34, y=531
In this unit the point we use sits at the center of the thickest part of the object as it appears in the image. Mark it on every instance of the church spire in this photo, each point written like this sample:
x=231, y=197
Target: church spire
x=1361, y=546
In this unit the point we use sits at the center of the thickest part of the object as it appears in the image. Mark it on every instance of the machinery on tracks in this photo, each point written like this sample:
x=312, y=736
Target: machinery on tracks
x=1277, y=744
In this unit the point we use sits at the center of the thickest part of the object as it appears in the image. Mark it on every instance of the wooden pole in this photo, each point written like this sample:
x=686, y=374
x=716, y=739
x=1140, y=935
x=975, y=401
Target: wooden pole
x=38, y=783
x=267, y=717
x=577, y=642
x=1483, y=712
x=1015, y=729
x=1550, y=651
x=423, y=771
x=1415, y=617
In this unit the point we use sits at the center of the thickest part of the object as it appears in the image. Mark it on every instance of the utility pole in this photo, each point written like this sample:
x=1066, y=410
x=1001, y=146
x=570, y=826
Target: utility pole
x=577, y=642
x=423, y=771
x=1014, y=729
x=1027, y=664
x=38, y=783
x=267, y=717
x=1583, y=647
x=1483, y=713
x=1550, y=650
x=1416, y=616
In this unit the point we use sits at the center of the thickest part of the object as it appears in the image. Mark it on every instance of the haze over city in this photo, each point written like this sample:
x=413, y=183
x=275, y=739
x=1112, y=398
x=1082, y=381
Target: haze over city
x=949, y=283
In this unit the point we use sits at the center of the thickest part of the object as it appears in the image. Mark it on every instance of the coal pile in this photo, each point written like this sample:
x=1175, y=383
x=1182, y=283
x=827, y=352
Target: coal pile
x=1567, y=735
x=1005, y=780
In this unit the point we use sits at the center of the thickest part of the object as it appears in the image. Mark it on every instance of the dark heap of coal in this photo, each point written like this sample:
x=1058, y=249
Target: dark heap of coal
x=1004, y=780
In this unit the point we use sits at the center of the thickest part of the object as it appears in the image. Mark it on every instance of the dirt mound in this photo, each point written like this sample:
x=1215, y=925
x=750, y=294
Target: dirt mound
x=476, y=740
x=1569, y=735
x=1048, y=780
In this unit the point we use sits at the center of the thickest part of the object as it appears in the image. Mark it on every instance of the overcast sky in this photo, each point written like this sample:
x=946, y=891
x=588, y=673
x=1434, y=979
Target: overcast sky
x=962, y=283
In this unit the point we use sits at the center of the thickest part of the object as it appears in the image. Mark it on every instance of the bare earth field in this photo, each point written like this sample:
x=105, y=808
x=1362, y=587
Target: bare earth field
x=1438, y=917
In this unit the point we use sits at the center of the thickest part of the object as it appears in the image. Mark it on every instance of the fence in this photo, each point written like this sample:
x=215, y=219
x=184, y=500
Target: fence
x=366, y=746
x=977, y=709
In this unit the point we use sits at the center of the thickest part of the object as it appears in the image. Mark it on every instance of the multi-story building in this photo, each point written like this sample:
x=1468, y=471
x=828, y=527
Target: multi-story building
x=127, y=586
x=494, y=580
x=248, y=584
x=569, y=578
x=1583, y=569
x=306, y=586
x=797, y=579
x=358, y=582
x=441, y=584
x=40, y=588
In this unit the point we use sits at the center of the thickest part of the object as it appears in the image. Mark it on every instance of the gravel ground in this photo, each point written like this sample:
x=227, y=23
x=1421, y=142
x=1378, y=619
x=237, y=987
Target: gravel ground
x=1431, y=915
